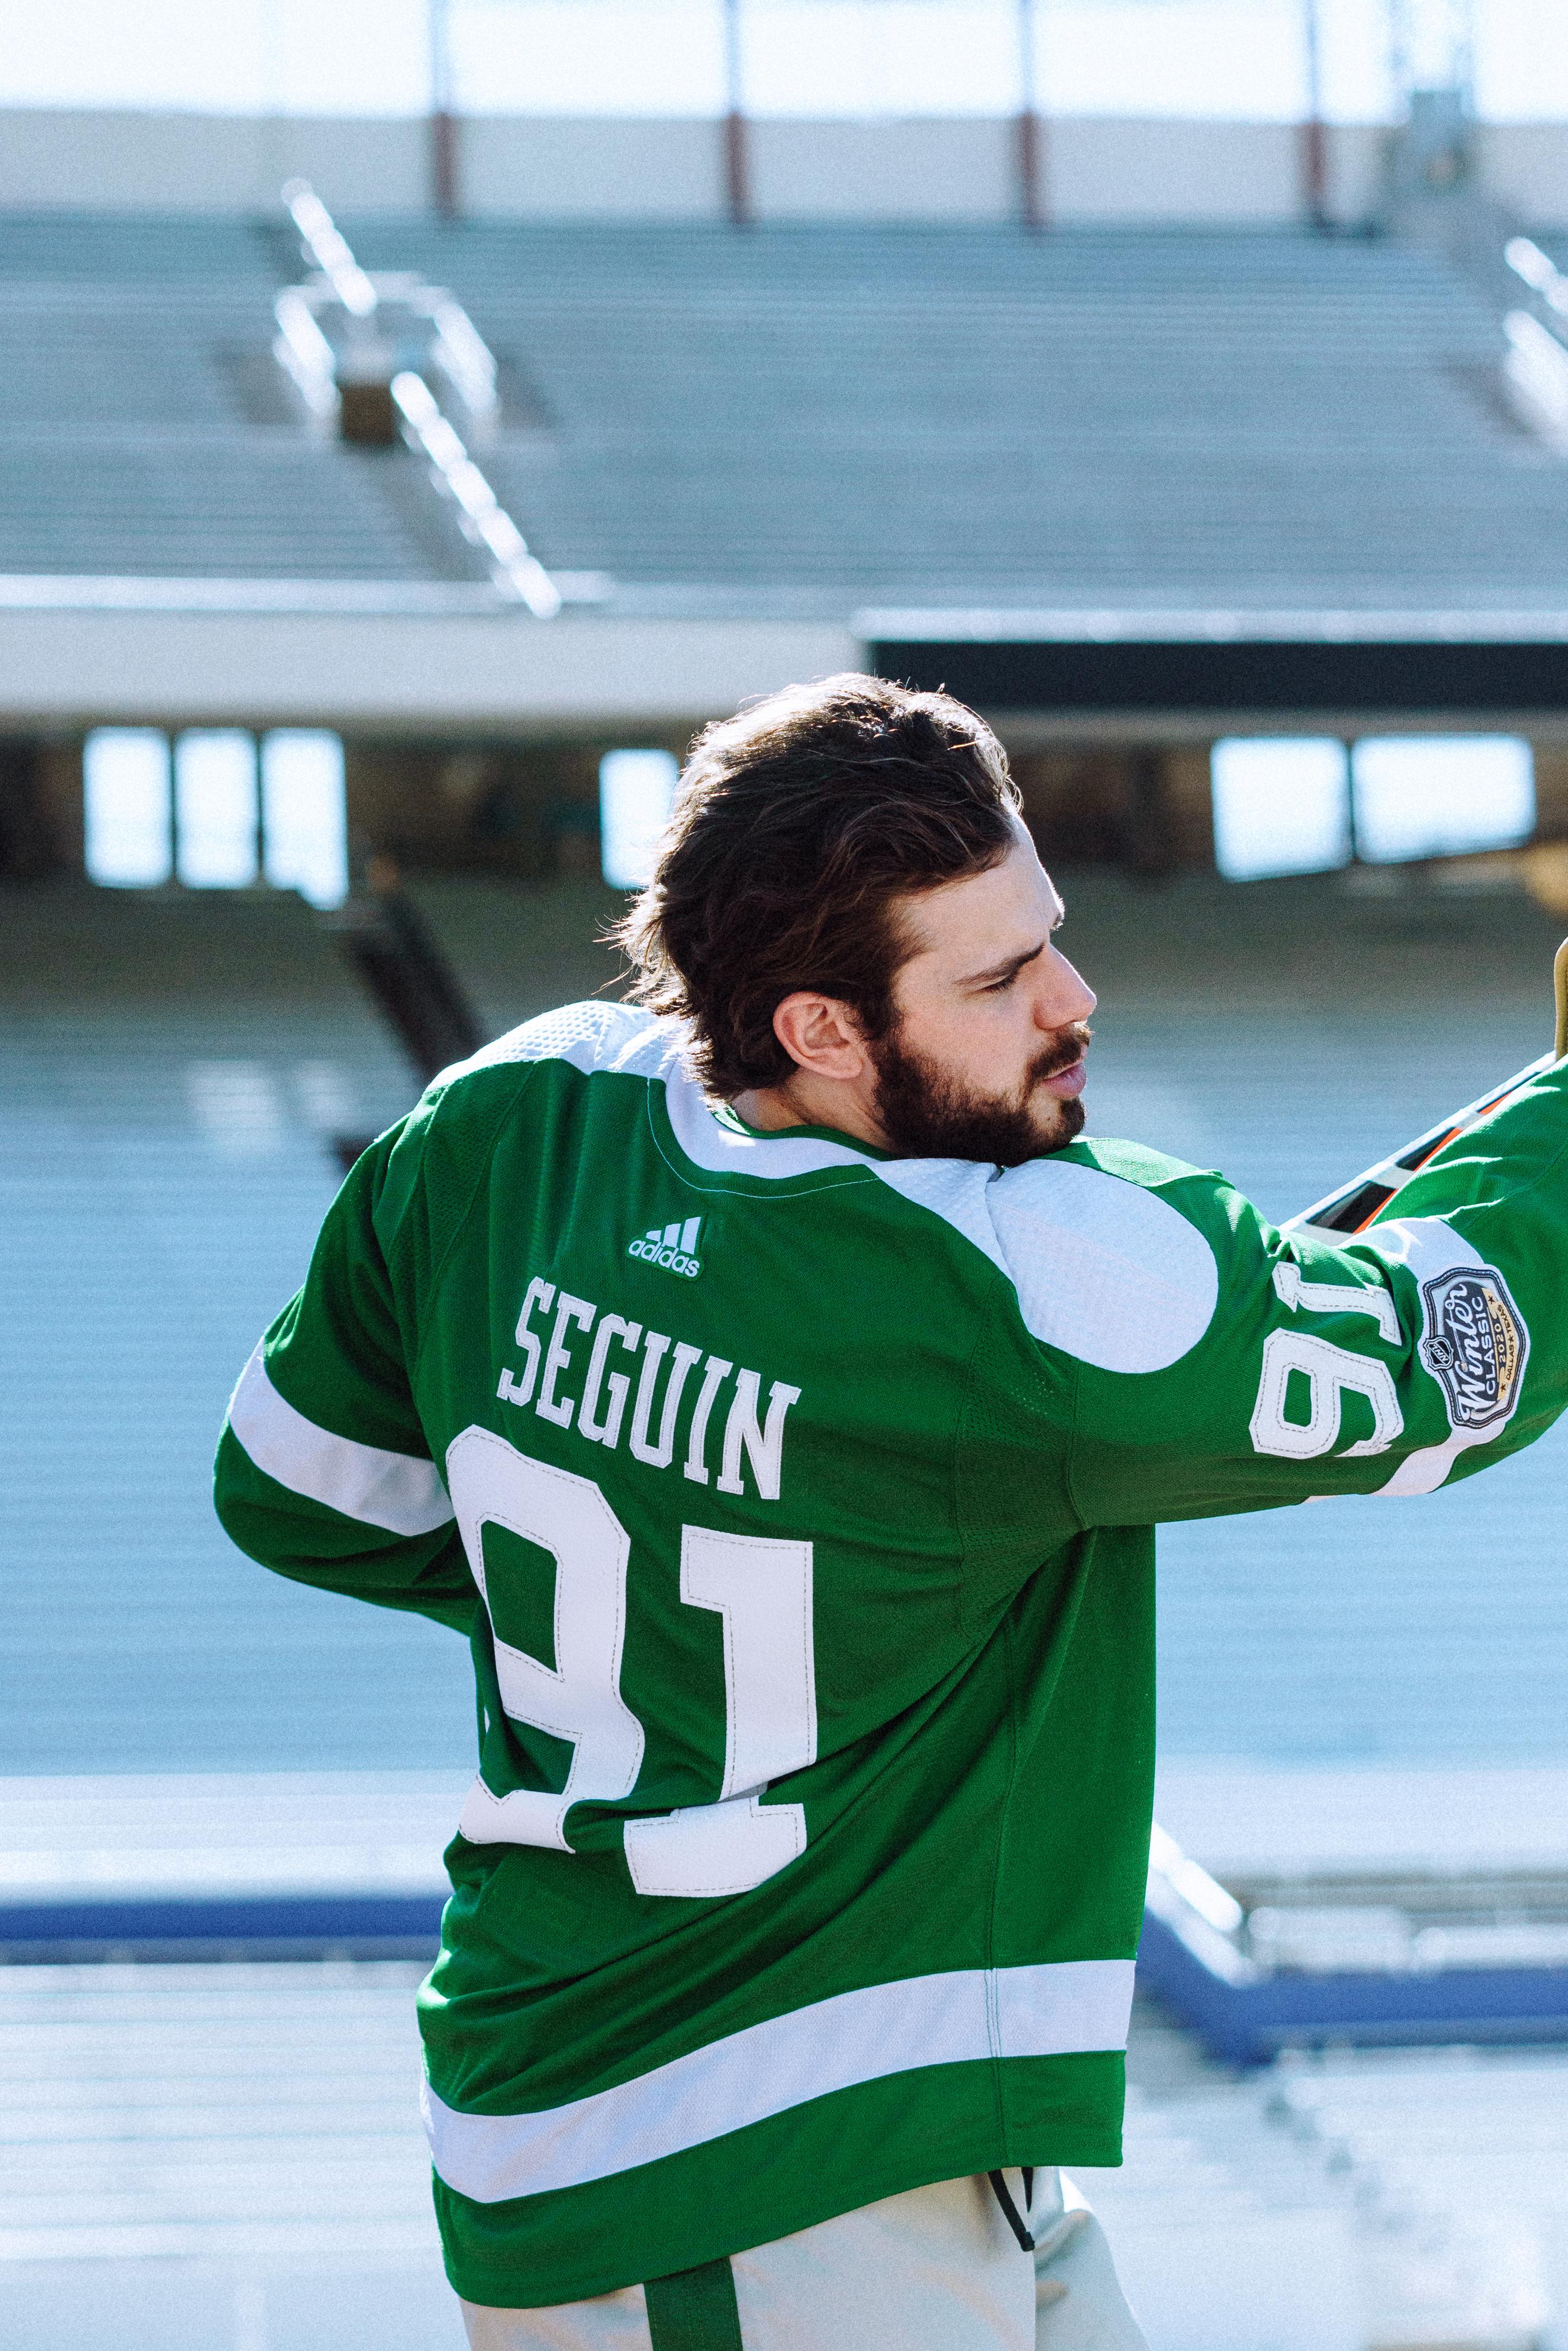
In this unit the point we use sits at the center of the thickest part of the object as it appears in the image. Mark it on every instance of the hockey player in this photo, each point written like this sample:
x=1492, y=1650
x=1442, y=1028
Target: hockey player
x=781, y=1393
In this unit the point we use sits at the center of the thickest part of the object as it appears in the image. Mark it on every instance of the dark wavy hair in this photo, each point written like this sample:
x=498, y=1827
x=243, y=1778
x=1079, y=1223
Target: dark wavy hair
x=798, y=825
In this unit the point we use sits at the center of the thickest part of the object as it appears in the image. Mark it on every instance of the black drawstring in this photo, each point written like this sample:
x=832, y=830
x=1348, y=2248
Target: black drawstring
x=1011, y=2212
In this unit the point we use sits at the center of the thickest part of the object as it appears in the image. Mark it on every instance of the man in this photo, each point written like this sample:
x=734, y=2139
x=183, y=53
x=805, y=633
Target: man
x=782, y=1397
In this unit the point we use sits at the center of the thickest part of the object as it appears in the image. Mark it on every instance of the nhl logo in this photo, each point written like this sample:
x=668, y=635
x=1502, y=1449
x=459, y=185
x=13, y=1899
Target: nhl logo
x=1475, y=1343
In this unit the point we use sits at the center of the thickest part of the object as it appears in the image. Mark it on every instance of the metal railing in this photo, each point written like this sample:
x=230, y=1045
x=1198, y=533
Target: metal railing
x=481, y=517
x=361, y=348
x=1535, y=364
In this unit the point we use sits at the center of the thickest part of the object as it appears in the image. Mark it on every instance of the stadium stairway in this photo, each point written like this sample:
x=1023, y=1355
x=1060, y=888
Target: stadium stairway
x=518, y=951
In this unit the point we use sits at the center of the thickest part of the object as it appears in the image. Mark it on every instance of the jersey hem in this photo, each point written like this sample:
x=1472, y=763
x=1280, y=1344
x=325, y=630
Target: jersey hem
x=775, y=2178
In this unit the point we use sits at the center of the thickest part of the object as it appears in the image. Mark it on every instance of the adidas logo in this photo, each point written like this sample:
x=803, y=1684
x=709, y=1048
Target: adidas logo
x=674, y=1249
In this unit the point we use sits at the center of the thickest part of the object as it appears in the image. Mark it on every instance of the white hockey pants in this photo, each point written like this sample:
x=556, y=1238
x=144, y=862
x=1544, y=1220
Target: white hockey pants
x=937, y=2269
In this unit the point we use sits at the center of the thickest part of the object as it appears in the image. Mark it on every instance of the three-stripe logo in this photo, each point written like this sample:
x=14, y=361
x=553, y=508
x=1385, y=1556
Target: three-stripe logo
x=674, y=1247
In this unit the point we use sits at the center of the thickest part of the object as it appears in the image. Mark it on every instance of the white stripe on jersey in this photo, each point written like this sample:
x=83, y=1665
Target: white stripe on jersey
x=971, y=2015
x=394, y=1491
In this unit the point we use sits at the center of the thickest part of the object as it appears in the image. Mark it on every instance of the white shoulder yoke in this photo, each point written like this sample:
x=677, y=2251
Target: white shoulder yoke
x=589, y=1036
x=1102, y=1269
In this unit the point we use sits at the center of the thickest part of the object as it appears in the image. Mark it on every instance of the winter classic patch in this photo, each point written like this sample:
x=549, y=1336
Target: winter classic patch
x=1475, y=1342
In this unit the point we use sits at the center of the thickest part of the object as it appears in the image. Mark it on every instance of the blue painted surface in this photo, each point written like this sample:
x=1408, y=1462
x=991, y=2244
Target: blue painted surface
x=255, y=1921
x=1238, y=2024
x=1249, y=2024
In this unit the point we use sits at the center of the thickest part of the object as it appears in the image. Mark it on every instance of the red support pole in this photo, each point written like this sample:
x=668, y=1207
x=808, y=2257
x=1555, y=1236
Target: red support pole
x=1315, y=172
x=443, y=163
x=737, y=143
x=738, y=168
x=1032, y=209
x=1314, y=144
x=445, y=194
x=1030, y=128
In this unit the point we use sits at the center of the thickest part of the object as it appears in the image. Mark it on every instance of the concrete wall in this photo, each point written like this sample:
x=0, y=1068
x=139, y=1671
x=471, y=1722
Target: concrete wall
x=559, y=167
x=552, y=167
x=1525, y=165
x=1098, y=169
x=933, y=170
x=500, y=671
x=69, y=160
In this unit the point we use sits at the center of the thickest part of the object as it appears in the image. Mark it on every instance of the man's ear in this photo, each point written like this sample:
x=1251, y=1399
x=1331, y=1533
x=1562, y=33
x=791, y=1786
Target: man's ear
x=820, y=1034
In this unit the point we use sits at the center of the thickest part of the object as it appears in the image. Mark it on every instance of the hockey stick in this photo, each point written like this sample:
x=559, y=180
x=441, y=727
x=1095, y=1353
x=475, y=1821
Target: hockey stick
x=1352, y=1207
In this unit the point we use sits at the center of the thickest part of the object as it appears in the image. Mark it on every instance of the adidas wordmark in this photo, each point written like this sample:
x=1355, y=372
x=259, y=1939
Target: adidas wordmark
x=675, y=1248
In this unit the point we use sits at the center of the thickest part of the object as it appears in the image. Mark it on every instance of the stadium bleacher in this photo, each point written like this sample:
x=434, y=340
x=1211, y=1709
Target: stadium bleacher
x=1290, y=1033
x=224, y=2156
x=181, y=1071
x=178, y=1068
x=804, y=420
x=1388, y=2197
x=180, y=1075
x=1458, y=2163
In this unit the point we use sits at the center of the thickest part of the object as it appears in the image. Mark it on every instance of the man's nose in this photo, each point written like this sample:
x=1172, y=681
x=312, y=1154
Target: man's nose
x=1065, y=997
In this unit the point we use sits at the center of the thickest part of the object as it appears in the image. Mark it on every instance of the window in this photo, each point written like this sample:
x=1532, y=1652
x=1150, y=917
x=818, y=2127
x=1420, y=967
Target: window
x=216, y=809
x=303, y=822
x=1282, y=805
x=125, y=804
x=1305, y=804
x=637, y=791
x=1440, y=795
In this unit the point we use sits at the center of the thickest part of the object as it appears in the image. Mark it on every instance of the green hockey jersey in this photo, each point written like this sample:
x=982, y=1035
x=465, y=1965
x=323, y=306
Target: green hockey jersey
x=798, y=1502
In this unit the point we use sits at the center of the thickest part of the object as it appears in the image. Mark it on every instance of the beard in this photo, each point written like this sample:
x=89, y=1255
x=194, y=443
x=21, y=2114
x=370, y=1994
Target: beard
x=927, y=1114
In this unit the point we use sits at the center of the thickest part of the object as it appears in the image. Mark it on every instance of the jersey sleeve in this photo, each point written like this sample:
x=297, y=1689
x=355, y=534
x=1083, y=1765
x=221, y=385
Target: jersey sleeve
x=323, y=1470
x=1427, y=1347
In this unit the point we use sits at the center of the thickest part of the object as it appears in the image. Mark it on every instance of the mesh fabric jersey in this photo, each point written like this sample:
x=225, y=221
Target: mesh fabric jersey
x=798, y=1505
